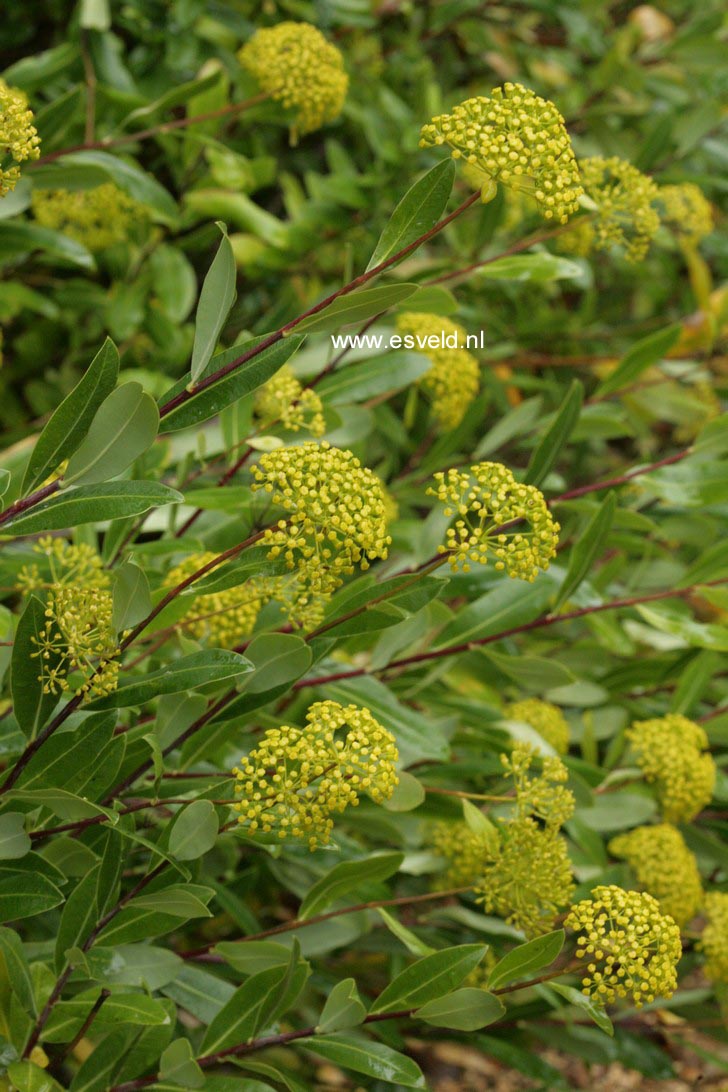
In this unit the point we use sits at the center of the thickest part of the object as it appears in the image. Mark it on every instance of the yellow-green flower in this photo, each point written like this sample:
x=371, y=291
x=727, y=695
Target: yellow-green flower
x=223, y=618
x=547, y=719
x=465, y=850
x=664, y=866
x=19, y=138
x=527, y=879
x=336, y=518
x=671, y=752
x=632, y=947
x=299, y=68
x=96, y=218
x=714, y=938
x=497, y=517
x=283, y=399
x=517, y=138
x=453, y=380
x=542, y=796
x=296, y=779
x=623, y=216
x=686, y=210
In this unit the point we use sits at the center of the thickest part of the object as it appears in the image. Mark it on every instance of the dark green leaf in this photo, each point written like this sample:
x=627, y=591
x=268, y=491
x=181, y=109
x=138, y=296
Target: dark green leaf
x=419, y=209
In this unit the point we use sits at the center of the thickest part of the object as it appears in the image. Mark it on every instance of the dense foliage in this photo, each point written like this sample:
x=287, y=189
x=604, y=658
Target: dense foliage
x=357, y=698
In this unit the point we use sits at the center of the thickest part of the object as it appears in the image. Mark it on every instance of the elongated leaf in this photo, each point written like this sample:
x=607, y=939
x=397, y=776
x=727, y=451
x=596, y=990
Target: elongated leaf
x=19, y=237
x=216, y=299
x=431, y=977
x=198, y=669
x=194, y=831
x=587, y=549
x=17, y=969
x=201, y=405
x=64, y=804
x=14, y=842
x=345, y=877
x=376, y=1060
x=132, y=600
x=508, y=604
x=70, y=421
x=343, y=1008
x=526, y=959
x=177, y=900
x=641, y=356
x=579, y=1000
x=388, y=372
x=356, y=307
x=124, y=427
x=464, y=1010
x=23, y=895
x=547, y=450
x=539, y=268
x=178, y=1066
x=94, y=503
x=420, y=208
x=238, y=1020
x=277, y=659
x=31, y=705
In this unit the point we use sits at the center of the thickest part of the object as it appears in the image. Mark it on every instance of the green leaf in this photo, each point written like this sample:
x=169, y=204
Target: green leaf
x=19, y=237
x=463, y=1010
x=15, y=970
x=277, y=659
x=641, y=356
x=343, y=1008
x=70, y=421
x=428, y=978
x=407, y=796
x=539, y=268
x=508, y=604
x=593, y=1010
x=216, y=299
x=64, y=804
x=356, y=307
x=178, y=1065
x=23, y=895
x=120, y=1008
x=344, y=878
x=214, y=665
x=202, y=404
x=194, y=831
x=124, y=427
x=527, y=958
x=28, y=1077
x=364, y=1056
x=132, y=599
x=587, y=549
x=383, y=374
x=94, y=503
x=14, y=842
x=418, y=211
x=548, y=448
x=517, y=422
x=176, y=900
x=240, y=1018
x=31, y=705
x=411, y=941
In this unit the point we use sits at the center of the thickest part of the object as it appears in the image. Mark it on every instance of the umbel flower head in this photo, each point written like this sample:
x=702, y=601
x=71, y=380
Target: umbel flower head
x=545, y=718
x=517, y=138
x=686, y=210
x=223, y=618
x=285, y=400
x=664, y=866
x=77, y=638
x=19, y=138
x=96, y=218
x=671, y=752
x=543, y=796
x=496, y=517
x=297, y=67
x=714, y=938
x=465, y=850
x=296, y=779
x=633, y=948
x=624, y=215
x=453, y=380
x=336, y=514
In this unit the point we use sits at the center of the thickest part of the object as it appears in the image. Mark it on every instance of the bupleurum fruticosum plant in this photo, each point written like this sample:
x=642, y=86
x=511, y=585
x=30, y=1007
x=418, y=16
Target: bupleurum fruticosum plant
x=296, y=779
x=96, y=218
x=19, y=140
x=453, y=380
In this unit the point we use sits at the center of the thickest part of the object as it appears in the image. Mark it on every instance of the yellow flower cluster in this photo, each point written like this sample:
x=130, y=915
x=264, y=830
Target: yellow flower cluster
x=664, y=866
x=337, y=518
x=632, y=947
x=464, y=849
x=297, y=778
x=624, y=215
x=487, y=500
x=714, y=938
x=285, y=400
x=547, y=719
x=687, y=211
x=528, y=878
x=454, y=378
x=544, y=796
x=297, y=67
x=96, y=218
x=671, y=752
x=516, y=138
x=223, y=618
x=78, y=635
x=19, y=139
